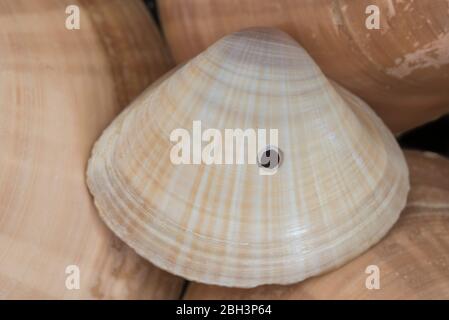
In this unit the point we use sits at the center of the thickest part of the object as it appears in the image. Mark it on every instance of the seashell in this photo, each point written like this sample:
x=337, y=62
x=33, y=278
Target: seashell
x=412, y=260
x=59, y=88
x=340, y=186
x=401, y=70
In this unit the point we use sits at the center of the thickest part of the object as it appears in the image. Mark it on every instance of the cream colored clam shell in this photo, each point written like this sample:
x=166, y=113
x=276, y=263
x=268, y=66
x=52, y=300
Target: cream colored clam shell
x=341, y=186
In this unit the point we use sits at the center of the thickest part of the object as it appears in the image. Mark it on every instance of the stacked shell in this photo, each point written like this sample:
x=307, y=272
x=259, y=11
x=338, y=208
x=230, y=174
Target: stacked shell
x=340, y=187
x=392, y=54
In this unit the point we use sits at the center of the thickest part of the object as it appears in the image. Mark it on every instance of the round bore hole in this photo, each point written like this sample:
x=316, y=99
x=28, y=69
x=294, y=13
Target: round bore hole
x=270, y=158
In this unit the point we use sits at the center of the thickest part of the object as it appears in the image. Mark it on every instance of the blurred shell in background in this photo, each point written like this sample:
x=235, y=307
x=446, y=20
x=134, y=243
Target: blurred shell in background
x=341, y=185
x=401, y=70
x=413, y=259
x=59, y=88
